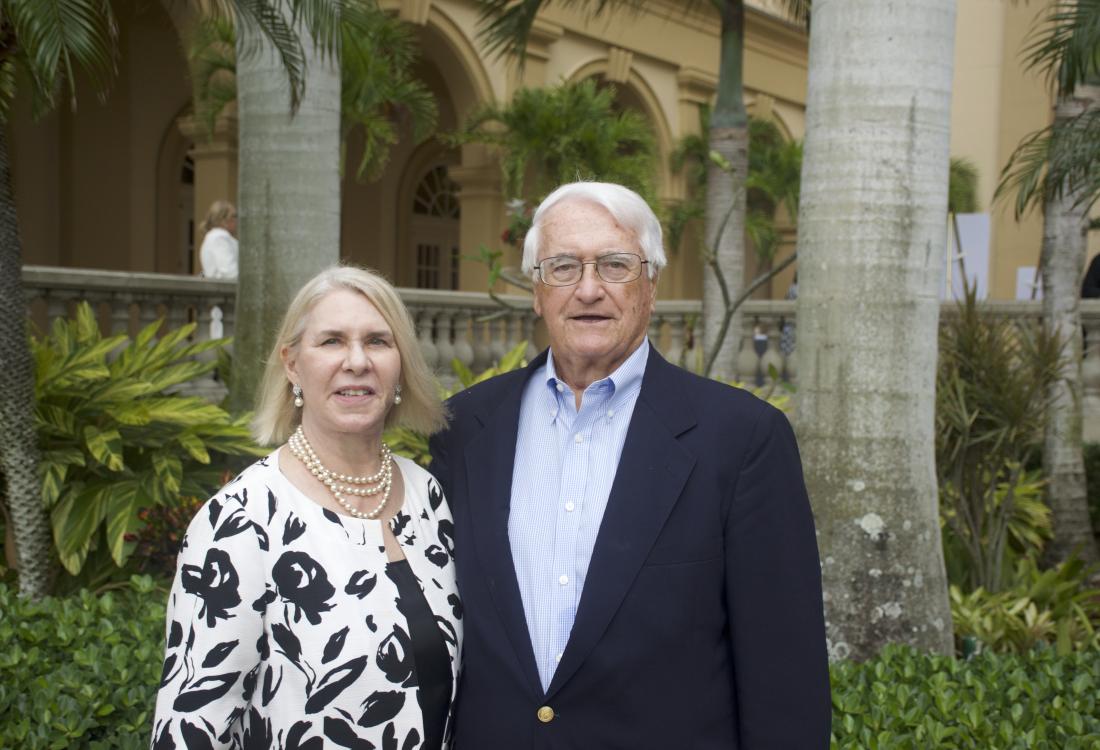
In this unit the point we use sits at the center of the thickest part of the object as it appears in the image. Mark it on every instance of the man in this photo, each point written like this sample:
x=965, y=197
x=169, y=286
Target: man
x=1090, y=285
x=635, y=549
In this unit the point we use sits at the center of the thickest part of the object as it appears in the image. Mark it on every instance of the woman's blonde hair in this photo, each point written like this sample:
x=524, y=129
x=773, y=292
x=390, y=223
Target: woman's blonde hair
x=420, y=409
x=220, y=212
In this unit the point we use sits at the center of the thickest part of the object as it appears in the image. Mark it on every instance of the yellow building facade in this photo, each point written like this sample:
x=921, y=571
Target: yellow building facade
x=122, y=184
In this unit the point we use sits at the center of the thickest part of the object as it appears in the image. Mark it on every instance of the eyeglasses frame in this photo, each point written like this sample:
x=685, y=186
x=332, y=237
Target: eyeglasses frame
x=642, y=261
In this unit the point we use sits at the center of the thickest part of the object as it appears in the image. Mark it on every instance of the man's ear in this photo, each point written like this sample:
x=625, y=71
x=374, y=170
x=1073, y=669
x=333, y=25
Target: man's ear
x=653, y=293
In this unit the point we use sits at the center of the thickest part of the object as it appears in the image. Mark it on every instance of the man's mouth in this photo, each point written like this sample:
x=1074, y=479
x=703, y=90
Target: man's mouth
x=590, y=318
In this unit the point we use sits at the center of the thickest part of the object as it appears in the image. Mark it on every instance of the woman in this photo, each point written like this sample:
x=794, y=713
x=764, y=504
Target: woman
x=219, y=243
x=314, y=602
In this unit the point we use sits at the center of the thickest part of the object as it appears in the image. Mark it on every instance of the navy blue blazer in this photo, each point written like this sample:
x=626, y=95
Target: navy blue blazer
x=700, y=626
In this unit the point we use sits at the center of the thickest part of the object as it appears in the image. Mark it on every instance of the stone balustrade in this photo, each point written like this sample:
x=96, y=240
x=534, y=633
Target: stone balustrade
x=476, y=330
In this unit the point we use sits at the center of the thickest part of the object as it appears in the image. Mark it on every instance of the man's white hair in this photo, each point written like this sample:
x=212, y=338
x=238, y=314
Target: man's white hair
x=627, y=208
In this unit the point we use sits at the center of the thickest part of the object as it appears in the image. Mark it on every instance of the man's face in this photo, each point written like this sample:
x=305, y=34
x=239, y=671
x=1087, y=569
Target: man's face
x=594, y=325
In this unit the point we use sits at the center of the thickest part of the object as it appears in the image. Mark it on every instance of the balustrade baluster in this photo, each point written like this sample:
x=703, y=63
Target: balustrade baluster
x=515, y=329
x=654, y=332
x=120, y=313
x=424, y=327
x=675, y=352
x=529, y=319
x=498, y=339
x=772, y=360
x=464, y=351
x=444, y=325
x=747, y=361
x=482, y=355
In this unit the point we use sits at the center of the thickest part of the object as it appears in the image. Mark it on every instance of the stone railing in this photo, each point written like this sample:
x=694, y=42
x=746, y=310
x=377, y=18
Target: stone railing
x=464, y=325
x=473, y=328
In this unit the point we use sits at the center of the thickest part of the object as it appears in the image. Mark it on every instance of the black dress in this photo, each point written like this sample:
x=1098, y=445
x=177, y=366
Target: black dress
x=433, y=663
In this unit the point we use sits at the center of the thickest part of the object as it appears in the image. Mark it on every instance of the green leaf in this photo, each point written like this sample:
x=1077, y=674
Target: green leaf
x=194, y=446
x=57, y=419
x=121, y=514
x=53, y=481
x=75, y=520
x=514, y=358
x=105, y=447
x=169, y=470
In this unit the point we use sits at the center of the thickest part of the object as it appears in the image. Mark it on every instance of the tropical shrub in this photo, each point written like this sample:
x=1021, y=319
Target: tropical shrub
x=550, y=135
x=118, y=436
x=1038, y=608
x=992, y=392
x=905, y=700
x=81, y=671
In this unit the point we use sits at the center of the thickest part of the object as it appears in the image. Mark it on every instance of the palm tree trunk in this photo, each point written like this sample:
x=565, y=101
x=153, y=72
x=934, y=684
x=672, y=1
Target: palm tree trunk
x=872, y=236
x=1065, y=229
x=18, y=438
x=725, y=228
x=289, y=178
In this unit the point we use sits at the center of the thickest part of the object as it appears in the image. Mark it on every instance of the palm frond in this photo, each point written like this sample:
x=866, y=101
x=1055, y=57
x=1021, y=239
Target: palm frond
x=505, y=25
x=60, y=37
x=962, y=186
x=1062, y=158
x=379, y=92
x=213, y=56
x=1066, y=44
x=547, y=136
x=323, y=20
x=799, y=11
x=258, y=21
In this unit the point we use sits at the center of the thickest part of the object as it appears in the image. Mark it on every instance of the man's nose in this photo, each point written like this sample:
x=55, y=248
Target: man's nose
x=590, y=285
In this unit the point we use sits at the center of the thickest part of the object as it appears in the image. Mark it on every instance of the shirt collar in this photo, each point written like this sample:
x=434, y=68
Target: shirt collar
x=626, y=377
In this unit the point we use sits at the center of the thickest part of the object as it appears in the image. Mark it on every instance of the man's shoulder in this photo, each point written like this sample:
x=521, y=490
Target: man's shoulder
x=712, y=405
x=487, y=393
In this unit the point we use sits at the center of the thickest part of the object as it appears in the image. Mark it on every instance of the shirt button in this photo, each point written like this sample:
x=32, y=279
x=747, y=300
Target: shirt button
x=563, y=580
x=610, y=413
x=560, y=387
x=578, y=439
x=569, y=506
x=546, y=714
x=557, y=658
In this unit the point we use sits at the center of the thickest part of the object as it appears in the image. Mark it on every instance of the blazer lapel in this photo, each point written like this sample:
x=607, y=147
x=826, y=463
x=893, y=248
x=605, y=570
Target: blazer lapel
x=652, y=471
x=490, y=458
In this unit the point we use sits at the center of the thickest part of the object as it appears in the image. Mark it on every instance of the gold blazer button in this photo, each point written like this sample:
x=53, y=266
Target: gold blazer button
x=546, y=714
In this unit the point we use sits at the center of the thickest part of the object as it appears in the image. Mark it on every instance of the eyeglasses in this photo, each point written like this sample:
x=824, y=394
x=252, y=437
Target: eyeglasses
x=614, y=268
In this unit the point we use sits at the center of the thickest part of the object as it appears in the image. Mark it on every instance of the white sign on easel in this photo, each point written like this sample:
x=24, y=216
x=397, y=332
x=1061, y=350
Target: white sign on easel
x=972, y=248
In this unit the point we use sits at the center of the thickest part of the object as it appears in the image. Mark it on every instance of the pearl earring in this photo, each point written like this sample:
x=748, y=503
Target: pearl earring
x=396, y=395
x=297, y=391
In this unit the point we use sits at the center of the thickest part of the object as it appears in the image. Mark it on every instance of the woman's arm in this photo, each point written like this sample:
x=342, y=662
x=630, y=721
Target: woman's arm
x=214, y=633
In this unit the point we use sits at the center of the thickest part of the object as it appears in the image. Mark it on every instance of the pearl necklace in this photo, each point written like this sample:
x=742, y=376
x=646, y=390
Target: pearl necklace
x=342, y=484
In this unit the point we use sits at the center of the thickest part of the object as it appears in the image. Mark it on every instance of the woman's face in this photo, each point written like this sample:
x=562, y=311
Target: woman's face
x=347, y=365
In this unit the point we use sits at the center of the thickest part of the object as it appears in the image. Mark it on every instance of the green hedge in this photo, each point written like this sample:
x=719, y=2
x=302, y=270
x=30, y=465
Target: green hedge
x=82, y=671
x=909, y=701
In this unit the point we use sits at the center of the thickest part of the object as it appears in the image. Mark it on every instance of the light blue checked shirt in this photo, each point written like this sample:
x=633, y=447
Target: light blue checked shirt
x=564, y=468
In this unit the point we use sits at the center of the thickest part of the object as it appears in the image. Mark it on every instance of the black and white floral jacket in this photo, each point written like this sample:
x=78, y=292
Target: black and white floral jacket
x=283, y=630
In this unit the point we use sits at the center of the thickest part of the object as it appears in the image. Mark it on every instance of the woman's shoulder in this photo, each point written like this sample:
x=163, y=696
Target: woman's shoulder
x=420, y=483
x=251, y=492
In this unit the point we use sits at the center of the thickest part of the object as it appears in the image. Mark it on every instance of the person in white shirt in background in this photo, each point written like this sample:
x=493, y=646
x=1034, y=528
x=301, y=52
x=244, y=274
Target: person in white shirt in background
x=219, y=242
